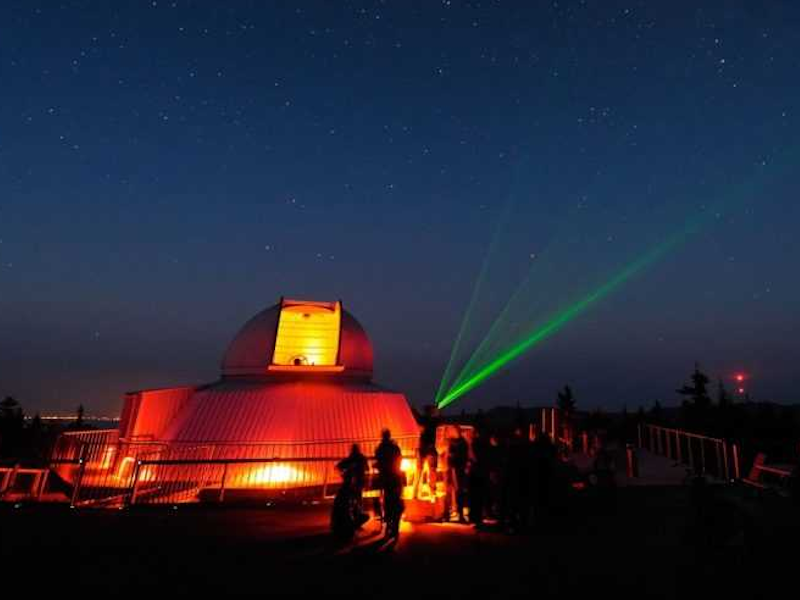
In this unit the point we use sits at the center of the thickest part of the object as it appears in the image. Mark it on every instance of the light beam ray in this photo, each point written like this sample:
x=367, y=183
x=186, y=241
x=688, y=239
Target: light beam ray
x=562, y=318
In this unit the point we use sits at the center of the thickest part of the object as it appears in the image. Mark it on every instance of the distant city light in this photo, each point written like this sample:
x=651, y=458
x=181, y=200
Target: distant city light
x=739, y=377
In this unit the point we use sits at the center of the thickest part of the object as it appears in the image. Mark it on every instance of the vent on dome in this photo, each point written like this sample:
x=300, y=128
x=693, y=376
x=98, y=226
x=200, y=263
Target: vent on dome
x=307, y=336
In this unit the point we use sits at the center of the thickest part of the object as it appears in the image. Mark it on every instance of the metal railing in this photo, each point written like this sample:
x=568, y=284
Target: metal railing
x=701, y=453
x=96, y=465
x=103, y=470
x=214, y=472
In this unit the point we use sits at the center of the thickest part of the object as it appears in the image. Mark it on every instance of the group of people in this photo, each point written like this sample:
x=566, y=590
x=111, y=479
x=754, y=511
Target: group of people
x=348, y=514
x=505, y=479
x=500, y=478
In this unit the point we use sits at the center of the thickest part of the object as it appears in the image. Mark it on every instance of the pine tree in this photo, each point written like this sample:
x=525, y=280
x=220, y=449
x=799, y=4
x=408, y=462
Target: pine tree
x=656, y=413
x=723, y=398
x=11, y=424
x=566, y=401
x=697, y=392
x=697, y=402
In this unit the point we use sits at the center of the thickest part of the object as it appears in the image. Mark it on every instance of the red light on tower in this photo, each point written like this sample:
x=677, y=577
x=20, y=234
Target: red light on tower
x=739, y=377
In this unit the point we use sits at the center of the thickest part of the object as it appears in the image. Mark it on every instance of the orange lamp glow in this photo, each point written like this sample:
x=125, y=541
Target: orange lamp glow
x=271, y=475
x=308, y=335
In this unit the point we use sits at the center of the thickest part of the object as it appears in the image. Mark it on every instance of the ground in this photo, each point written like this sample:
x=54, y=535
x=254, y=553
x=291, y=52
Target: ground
x=646, y=543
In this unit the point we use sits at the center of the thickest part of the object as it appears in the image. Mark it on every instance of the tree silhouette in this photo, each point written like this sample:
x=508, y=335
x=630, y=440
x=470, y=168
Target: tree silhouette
x=10, y=409
x=11, y=425
x=697, y=392
x=723, y=397
x=656, y=413
x=566, y=401
x=79, y=416
x=697, y=403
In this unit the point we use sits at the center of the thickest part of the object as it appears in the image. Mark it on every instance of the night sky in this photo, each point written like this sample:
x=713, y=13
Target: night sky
x=168, y=169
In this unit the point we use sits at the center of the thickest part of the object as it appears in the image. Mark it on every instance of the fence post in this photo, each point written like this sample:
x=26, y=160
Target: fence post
x=42, y=485
x=632, y=465
x=135, y=483
x=735, y=450
x=703, y=456
x=8, y=483
x=544, y=422
x=689, y=451
x=325, y=480
x=639, y=434
x=719, y=459
x=222, y=483
x=725, y=460
x=678, y=456
x=79, y=477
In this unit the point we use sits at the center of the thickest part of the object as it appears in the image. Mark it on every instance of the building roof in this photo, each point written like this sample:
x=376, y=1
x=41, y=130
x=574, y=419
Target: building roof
x=339, y=342
x=246, y=411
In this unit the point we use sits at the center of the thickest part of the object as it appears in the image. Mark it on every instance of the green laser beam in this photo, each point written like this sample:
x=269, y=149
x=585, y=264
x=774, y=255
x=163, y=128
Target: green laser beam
x=494, y=334
x=476, y=292
x=465, y=383
x=562, y=318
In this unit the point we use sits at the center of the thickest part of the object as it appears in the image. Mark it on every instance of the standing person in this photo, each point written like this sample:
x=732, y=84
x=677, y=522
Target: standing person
x=347, y=515
x=427, y=454
x=387, y=460
x=516, y=499
x=457, y=457
x=495, y=468
x=544, y=460
x=478, y=486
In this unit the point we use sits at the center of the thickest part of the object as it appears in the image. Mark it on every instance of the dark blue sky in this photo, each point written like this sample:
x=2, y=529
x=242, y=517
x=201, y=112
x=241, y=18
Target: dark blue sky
x=167, y=169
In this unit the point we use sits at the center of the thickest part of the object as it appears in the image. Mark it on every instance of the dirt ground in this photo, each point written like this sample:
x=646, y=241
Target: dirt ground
x=646, y=542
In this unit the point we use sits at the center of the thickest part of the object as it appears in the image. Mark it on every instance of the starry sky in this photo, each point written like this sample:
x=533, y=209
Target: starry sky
x=168, y=169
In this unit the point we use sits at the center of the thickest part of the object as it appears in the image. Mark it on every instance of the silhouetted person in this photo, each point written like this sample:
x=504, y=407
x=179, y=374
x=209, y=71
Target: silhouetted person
x=427, y=454
x=388, y=459
x=457, y=458
x=794, y=479
x=355, y=469
x=478, y=488
x=347, y=515
x=605, y=482
x=543, y=473
x=516, y=497
x=495, y=470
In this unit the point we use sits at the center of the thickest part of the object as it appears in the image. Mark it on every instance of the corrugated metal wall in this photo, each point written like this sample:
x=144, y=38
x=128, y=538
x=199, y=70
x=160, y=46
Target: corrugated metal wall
x=290, y=412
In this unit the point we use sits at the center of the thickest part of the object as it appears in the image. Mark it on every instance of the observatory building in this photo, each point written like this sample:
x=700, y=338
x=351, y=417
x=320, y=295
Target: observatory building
x=294, y=394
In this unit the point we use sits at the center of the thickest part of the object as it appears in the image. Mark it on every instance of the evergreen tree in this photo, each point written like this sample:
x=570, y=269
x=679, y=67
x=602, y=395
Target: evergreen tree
x=696, y=406
x=656, y=413
x=723, y=398
x=10, y=409
x=697, y=392
x=566, y=401
x=11, y=425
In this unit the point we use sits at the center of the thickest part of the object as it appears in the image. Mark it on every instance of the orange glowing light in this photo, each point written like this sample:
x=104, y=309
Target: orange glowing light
x=125, y=467
x=271, y=475
x=308, y=335
x=108, y=457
